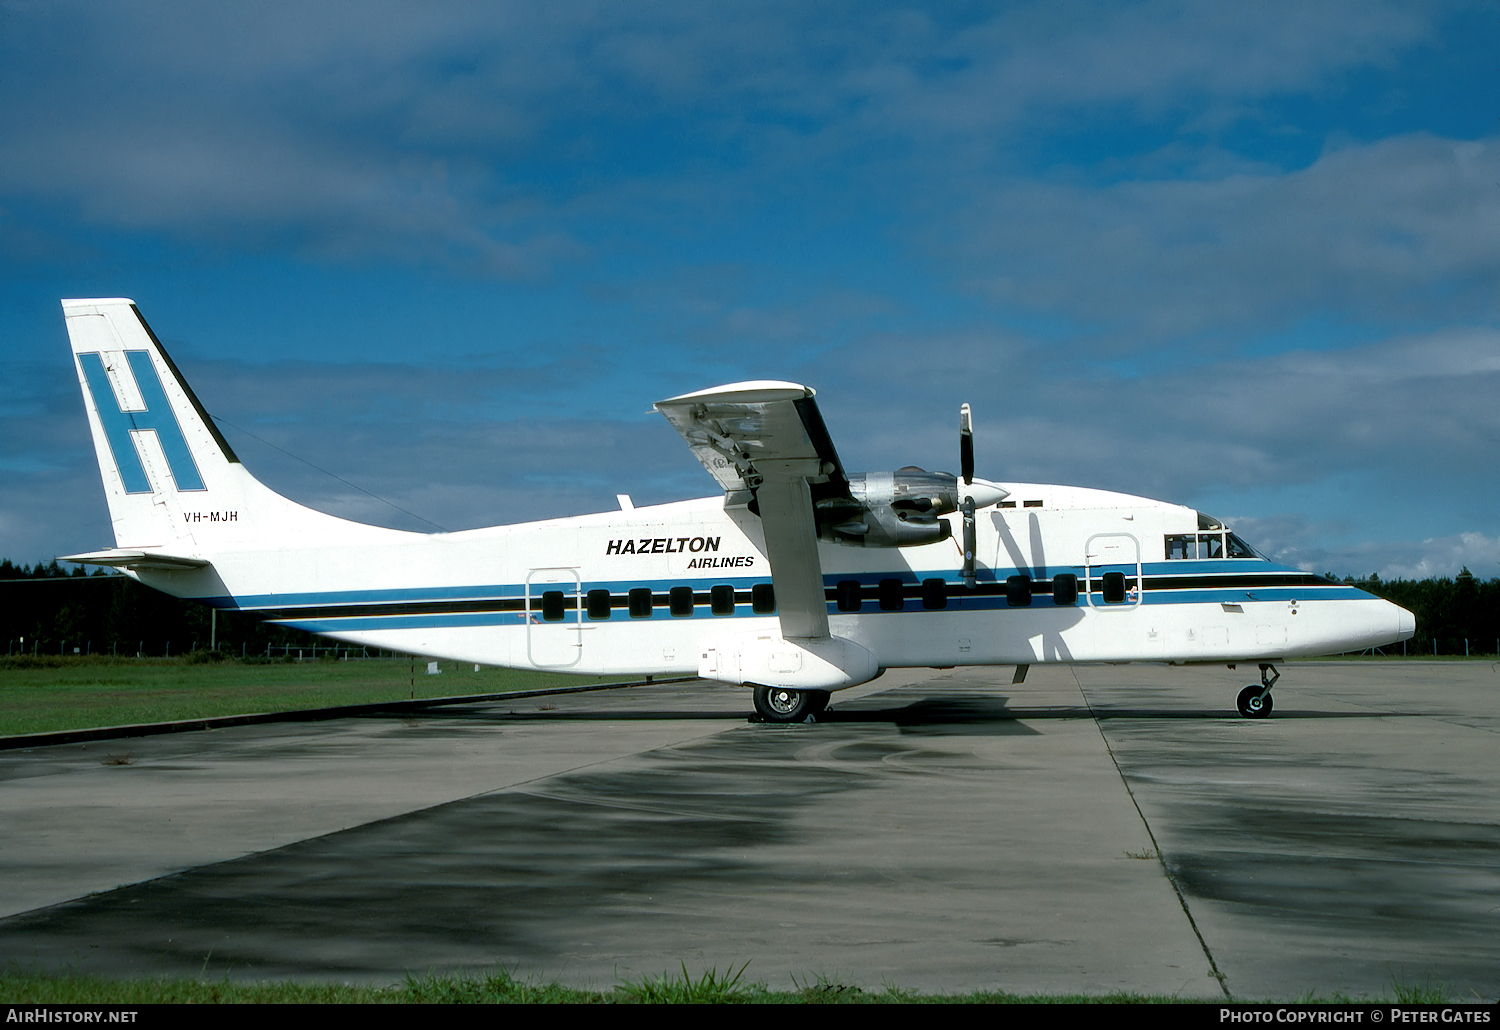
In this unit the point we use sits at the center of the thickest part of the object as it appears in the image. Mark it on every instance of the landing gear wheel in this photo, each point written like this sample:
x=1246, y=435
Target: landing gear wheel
x=1254, y=702
x=779, y=704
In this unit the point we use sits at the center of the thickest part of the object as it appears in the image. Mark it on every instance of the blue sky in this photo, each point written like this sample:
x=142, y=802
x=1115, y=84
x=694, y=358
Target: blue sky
x=1242, y=257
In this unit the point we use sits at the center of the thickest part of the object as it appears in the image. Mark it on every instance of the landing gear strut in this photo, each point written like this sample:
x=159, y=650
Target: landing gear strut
x=1254, y=701
x=780, y=704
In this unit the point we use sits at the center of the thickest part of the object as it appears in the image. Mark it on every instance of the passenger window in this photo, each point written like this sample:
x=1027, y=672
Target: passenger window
x=721, y=600
x=1114, y=588
x=848, y=594
x=934, y=594
x=640, y=603
x=552, y=605
x=892, y=597
x=680, y=601
x=1065, y=589
x=763, y=599
x=1018, y=591
x=599, y=604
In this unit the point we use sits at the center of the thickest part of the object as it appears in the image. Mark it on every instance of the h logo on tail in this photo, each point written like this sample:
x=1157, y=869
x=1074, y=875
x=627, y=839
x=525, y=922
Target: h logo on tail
x=158, y=417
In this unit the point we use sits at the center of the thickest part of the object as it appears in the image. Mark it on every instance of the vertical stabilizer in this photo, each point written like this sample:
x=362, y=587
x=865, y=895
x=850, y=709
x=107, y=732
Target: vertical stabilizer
x=173, y=483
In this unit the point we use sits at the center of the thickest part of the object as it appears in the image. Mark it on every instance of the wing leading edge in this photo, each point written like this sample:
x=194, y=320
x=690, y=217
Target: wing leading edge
x=766, y=445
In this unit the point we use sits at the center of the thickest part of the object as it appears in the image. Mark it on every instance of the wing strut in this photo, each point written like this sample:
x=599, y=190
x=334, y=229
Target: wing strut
x=786, y=516
x=766, y=444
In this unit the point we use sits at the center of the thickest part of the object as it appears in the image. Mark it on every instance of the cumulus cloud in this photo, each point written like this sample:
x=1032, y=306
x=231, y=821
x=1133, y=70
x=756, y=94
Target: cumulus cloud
x=1367, y=232
x=1418, y=403
x=1304, y=544
x=488, y=136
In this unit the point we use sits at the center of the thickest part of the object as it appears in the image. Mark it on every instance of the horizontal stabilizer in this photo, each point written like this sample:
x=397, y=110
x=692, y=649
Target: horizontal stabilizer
x=120, y=558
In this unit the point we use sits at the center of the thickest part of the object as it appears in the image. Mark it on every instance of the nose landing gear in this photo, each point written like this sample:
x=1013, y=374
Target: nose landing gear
x=1254, y=701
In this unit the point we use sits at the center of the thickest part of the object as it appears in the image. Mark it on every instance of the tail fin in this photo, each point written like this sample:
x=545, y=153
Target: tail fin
x=172, y=481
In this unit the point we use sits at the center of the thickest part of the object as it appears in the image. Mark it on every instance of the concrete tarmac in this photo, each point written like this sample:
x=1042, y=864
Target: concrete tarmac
x=1095, y=829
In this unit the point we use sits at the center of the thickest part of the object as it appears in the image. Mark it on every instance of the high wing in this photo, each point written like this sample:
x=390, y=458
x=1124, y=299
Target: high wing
x=766, y=445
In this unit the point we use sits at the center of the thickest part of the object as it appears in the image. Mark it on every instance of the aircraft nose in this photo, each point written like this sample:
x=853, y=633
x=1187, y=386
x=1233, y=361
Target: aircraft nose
x=1406, y=624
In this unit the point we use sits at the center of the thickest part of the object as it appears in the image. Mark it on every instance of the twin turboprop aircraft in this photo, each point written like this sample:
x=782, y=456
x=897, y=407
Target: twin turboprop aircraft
x=801, y=579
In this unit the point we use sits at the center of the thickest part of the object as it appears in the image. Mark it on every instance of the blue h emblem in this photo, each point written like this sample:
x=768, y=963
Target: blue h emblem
x=158, y=416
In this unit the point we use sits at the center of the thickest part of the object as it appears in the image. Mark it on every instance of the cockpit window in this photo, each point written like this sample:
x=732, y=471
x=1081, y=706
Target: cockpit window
x=1207, y=545
x=1239, y=549
x=1208, y=522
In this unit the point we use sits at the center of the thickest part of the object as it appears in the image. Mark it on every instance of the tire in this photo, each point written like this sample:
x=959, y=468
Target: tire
x=1252, y=704
x=779, y=704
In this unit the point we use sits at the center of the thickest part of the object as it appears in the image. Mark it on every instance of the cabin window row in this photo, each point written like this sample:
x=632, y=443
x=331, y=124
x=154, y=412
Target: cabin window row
x=891, y=594
x=642, y=602
x=848, y=595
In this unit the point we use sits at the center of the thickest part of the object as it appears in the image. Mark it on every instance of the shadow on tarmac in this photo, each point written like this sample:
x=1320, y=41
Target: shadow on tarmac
x=952, y=710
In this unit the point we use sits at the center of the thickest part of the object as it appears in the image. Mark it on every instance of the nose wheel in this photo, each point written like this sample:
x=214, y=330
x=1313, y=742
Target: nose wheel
x=781, y=704
x=1254, y=701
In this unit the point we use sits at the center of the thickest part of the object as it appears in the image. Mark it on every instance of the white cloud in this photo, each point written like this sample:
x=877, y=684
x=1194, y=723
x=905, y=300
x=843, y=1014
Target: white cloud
x=1368, y=232
x=1298, y=542
x=468, y=135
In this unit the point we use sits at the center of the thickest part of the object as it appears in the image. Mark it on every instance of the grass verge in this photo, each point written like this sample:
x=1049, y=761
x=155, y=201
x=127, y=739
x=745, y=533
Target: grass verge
x=69, y=693
x=710, y=987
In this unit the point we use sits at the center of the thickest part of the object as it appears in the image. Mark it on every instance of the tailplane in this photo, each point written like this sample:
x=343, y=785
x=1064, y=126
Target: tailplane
x=174, y=485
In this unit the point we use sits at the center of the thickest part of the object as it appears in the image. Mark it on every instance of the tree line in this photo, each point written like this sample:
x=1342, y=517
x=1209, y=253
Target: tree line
x=1452, y=614
x=48, y=609
x=55, y=610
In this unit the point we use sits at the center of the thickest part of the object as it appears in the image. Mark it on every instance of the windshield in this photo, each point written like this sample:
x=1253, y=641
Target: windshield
x=1221, y=544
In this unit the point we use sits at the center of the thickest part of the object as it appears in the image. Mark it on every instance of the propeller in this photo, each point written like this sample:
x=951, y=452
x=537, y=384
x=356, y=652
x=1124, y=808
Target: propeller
x=966, y=444
x=966, y=469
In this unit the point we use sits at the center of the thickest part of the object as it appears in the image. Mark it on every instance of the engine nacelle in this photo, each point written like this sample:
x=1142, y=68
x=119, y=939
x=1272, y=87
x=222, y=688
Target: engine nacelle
x=901, y=508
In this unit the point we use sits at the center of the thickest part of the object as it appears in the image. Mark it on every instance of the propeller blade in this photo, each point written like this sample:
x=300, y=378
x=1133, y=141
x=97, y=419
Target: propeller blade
x=970, y=544
x=966, y=444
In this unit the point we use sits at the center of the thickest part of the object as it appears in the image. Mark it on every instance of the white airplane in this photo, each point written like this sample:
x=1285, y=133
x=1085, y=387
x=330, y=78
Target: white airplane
x=801, y=579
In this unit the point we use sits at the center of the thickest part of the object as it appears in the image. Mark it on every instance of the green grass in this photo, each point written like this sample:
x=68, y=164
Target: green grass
x=503, y=987
x=709, y=987
x=66, y=693
x=23, y=987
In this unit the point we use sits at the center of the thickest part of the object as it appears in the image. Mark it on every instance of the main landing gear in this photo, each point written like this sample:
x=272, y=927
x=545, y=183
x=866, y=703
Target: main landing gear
x=779, y=704
x=1254, y=701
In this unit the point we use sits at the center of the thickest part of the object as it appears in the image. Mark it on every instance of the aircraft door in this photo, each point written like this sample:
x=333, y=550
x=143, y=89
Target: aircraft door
x=1112, y=571
x=554, y=618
